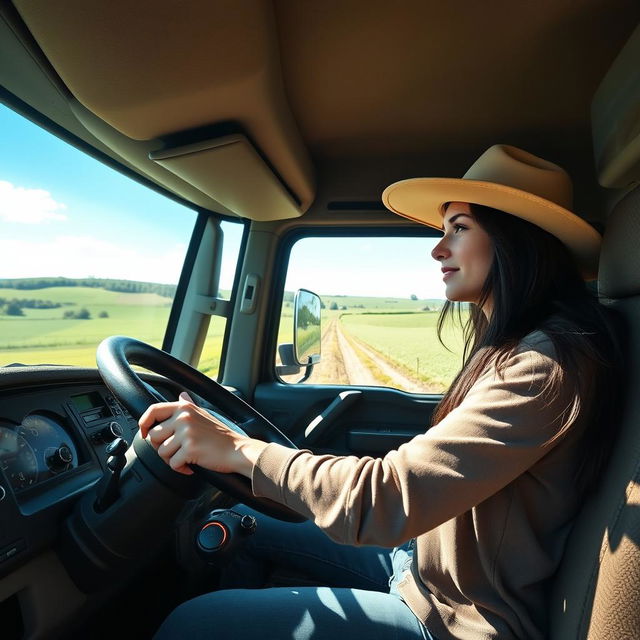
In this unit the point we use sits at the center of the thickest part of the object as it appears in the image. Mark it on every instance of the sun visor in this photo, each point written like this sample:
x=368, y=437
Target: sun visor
x=162, y=76
x=231, y=171
x=615, y=117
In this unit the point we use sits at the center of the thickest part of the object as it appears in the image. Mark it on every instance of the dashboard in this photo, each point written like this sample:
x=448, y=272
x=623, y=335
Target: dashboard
x=55, y=425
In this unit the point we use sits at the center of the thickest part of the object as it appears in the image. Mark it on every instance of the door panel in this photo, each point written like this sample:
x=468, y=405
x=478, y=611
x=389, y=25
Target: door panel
x=378, y=421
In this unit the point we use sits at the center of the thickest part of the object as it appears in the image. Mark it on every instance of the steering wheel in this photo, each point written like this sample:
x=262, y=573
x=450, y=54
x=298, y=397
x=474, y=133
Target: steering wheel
x=116, y=354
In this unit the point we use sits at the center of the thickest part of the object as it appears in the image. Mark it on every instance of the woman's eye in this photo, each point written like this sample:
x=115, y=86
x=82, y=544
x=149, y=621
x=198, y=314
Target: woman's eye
x=458, y=227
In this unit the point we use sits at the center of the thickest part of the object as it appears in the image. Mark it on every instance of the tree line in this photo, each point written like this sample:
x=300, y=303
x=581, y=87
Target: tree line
x=15, y=306
x=30, y=303
x=122, y=286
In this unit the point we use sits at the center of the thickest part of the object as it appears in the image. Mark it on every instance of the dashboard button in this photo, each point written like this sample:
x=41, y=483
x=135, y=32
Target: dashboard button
x=212, y=536
x=59, y=459
x=12, y=550
x=109, y=433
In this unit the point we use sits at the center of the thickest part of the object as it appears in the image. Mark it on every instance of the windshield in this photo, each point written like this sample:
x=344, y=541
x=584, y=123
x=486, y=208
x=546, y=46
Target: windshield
x=86, y=251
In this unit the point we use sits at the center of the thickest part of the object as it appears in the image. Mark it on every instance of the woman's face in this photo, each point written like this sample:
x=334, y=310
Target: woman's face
x=465, y=254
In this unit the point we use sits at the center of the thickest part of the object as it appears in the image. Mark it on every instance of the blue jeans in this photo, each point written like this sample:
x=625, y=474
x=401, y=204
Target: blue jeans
x=355, y=595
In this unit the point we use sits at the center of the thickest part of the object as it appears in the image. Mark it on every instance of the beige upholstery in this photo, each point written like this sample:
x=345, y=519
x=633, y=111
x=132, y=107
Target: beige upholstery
x=597, y=591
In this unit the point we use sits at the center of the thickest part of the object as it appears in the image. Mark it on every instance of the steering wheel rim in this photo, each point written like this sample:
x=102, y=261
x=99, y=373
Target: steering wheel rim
x=114, y=357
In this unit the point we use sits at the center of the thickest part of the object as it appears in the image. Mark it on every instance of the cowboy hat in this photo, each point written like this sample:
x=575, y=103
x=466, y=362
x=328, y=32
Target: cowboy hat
x=513, y=181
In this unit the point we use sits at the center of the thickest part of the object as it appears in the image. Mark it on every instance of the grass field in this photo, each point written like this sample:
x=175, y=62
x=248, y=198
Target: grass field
x=399, y=331
x=396, y=328
x=410, y=340
x=43, y=336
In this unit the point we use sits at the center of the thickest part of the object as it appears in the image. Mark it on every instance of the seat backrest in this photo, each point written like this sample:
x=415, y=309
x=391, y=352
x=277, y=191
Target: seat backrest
x=597, y=591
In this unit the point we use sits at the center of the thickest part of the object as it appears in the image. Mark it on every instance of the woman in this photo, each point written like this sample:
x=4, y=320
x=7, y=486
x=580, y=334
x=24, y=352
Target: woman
x=479, y=507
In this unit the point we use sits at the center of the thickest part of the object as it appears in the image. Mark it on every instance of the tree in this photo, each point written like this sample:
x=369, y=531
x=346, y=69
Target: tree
x=82, y=314
x=333, y=306
x=13, y=309
x=414, y=296
x=103, y=314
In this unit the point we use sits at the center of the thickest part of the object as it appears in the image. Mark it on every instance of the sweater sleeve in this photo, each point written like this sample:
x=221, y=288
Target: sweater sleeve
x=501, y=428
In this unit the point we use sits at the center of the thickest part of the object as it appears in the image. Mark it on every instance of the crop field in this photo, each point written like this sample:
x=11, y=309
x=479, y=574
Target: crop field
x=44, y=336
x=410, y=341
x=399, y=331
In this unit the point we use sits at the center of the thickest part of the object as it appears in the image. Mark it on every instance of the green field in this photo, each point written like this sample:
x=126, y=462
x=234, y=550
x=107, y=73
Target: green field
x=357, y=303
x=44, y=336
x=410, y=340
x=398, y=329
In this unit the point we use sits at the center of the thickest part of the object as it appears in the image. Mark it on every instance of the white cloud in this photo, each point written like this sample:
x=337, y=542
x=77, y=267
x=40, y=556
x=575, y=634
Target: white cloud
x=84, y=256
x=28, y=206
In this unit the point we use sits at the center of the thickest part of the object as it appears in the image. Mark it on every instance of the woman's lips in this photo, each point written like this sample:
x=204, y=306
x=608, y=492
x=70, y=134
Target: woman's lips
x=447, y=272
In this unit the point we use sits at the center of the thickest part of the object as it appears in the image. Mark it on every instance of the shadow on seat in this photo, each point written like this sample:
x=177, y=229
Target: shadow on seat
x=597, y=590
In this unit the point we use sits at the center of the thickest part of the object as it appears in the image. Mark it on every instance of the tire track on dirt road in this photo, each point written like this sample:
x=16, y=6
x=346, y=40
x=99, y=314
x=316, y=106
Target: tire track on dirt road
x=357, y=372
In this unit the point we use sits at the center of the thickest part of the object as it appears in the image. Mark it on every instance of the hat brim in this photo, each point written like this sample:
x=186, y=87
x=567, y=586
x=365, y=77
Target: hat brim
x=423, y=200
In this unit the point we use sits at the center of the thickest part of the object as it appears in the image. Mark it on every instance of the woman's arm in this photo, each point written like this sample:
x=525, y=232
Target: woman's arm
x=498, y=433
x=500, y=430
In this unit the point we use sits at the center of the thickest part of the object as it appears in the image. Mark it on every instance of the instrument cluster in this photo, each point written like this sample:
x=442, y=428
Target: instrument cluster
x=53, y=441
x=35, y=450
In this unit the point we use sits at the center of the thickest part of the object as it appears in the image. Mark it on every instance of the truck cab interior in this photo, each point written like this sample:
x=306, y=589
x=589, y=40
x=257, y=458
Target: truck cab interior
x=273, y=126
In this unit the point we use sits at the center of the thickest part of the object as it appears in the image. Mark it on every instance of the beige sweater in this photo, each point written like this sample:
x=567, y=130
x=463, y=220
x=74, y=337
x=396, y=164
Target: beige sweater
x=488, y=500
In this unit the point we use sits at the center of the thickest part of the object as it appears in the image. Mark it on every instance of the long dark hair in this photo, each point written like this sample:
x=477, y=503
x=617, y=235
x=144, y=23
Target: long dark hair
x=534, y=284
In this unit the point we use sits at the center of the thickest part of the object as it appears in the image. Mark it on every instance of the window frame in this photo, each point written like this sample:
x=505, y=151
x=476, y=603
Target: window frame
x=234, y=292
x=283, y=253
x=178, y=307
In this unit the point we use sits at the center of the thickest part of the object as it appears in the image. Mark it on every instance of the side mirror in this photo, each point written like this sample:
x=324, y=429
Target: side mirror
x=307, y=336
x=306, y=328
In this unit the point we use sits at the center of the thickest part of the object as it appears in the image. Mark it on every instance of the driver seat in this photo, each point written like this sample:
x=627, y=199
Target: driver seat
x=596, y=595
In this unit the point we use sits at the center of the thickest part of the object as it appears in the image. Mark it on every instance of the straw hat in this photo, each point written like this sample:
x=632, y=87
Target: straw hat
x=511, y=180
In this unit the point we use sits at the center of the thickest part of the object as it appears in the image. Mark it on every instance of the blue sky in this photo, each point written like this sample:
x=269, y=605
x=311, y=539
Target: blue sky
x=389, y=267
x=62, y=213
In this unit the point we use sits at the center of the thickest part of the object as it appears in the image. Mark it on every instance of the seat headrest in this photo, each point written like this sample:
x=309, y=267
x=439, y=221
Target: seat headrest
x=619, y=271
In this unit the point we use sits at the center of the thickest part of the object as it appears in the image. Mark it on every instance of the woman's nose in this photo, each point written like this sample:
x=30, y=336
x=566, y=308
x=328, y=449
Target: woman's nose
x=440, y=251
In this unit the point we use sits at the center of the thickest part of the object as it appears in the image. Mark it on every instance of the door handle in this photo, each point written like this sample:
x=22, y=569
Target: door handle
x=322, y=424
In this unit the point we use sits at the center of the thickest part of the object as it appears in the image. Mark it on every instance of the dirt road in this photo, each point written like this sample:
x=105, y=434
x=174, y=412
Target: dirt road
x=347, y=362
x=359, y=373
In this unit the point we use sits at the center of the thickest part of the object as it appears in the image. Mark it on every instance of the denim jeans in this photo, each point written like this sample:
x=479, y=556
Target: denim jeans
x=348, y=591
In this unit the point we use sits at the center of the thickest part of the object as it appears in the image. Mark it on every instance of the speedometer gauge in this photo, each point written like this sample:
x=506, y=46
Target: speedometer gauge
x=17, y=459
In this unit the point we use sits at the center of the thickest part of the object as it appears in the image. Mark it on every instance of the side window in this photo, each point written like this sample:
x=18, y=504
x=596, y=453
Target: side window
x=381, y=299
x=212, y=350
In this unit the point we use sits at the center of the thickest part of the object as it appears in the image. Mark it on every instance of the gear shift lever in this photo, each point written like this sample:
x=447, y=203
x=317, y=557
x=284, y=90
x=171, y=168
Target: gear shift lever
x=107, y=489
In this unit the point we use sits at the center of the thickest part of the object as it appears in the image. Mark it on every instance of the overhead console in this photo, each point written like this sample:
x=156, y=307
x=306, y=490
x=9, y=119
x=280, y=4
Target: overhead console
x=615, y=116
x=155, y=101
x=230, y=170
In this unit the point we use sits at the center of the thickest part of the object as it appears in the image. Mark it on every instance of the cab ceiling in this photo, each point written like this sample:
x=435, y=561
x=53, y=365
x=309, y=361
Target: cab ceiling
x=317, y=84
x=400, y=77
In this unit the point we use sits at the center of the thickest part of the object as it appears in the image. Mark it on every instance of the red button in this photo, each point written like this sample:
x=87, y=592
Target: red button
x=212, y=536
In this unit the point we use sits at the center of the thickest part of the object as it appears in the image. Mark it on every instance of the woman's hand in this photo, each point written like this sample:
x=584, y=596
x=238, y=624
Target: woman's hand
x=183, y=434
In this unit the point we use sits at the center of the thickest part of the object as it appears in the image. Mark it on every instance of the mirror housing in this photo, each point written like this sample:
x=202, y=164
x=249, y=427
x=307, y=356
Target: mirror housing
x=289, y=365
